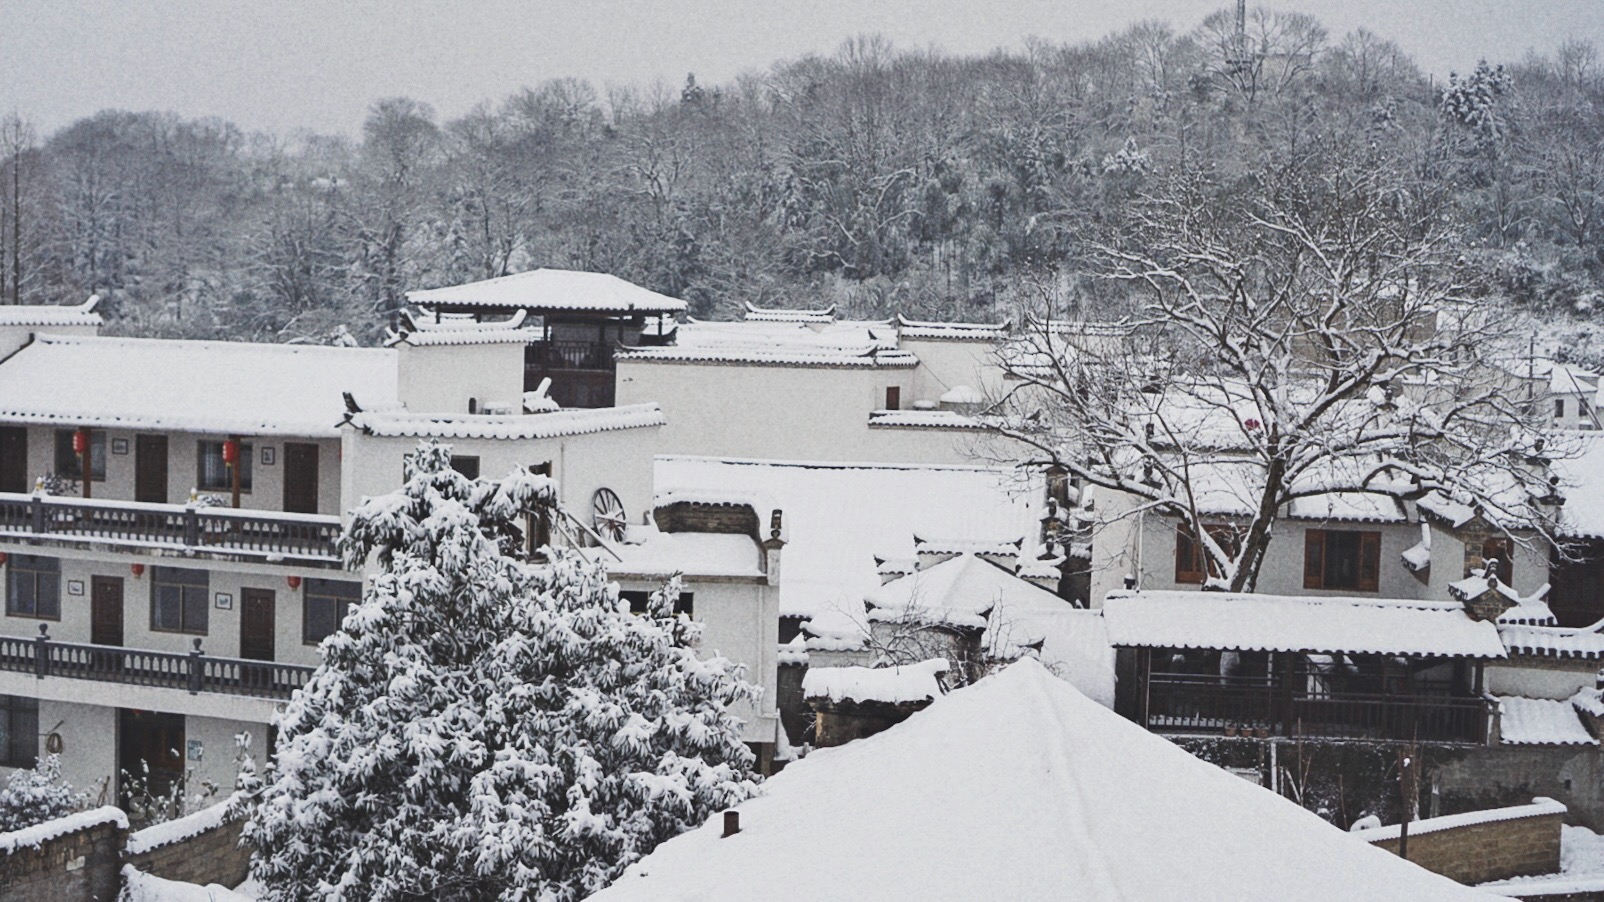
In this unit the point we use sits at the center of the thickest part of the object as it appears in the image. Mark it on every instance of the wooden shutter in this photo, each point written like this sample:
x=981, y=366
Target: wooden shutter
x=1188, y=567
x=1314, y=556
x=1369, y=561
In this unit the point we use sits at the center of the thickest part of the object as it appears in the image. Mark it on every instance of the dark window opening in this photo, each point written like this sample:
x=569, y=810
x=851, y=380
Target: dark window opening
x=1500, y=552
x=640, y=600
x=19, y=731
x=33, y=587
x=1559, y=408
x=70, y=466
x=894, y=398
x=324, y=604
x=212, y=473
x=180, y=600
x=467, y=466
x=1342, y=559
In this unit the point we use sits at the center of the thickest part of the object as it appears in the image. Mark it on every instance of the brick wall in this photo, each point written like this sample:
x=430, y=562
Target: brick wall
x=79, y=865
x=1487, y=850
x=213, y=856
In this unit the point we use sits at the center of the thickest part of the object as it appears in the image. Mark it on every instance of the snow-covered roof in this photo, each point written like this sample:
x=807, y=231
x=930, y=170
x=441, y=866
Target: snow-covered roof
x=891, y=685
x=1585, y=643
x=961, y=591
x=923, y=419
x=780, y=343
x=557, y=423
x=1361, y=506
x=423, y=331
x=1244, y=622
x=840, y=516
x=1582, y=483
x=933, y=331
x=553, y=290
x=862, y=357
x=192, y=386
x=1540, y=721
x=649, y=552
x=1019, y=787
x=755, y=314
x=51, y=315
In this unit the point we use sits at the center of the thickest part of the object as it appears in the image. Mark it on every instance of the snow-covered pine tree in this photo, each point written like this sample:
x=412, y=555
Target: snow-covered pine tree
x=482, y=727
x=34, y=796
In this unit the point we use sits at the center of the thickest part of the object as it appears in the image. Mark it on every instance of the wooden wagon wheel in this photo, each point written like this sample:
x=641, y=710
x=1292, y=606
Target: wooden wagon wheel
x=607, y=514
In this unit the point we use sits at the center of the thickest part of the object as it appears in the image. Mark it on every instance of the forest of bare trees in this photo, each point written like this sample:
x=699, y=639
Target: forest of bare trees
x=876, y=178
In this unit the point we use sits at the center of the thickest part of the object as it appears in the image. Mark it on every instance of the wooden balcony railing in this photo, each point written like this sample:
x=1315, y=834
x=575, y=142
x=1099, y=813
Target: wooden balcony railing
x=569, y=355
x=1189, y=703
x=194, y=672
x=267, y=534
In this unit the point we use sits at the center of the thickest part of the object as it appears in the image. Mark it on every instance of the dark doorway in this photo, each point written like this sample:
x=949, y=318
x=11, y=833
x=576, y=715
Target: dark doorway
x=14, y=459
x=150, y=757
x=300, y=478
x=150, y=469
x=106, y=610
x=256, y=624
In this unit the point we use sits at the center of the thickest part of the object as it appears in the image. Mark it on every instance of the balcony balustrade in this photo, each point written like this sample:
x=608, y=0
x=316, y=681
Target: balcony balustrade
x=194, y=672
x=245, y=533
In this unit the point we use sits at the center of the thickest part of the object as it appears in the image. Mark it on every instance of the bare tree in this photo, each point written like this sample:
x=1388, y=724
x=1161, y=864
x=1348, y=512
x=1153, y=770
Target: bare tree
x=1298, y=337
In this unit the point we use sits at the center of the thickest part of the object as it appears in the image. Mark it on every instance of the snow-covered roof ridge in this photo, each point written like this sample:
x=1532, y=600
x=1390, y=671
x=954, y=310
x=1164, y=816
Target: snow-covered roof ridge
x=457, y=330
x=1539, y=807
x=39, y=834
x=46, y=315
x=576, y=421
x=1295, y=623
x=177, y=830
x=1540, y=721
x=217, y=387
x=965, y=591
x=1585, y=642
x=870, y=356
x=898, y=685
x=1020, y=767
x=758, y=314
x=923, y=419
x=551, y=289
x=952, y=331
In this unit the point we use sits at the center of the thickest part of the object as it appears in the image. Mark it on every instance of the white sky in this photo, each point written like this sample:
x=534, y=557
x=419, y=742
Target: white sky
x=282, y=65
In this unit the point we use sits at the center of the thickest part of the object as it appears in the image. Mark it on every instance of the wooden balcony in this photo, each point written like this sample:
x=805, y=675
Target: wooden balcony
x=135, y=526
x=582, y=373
x=193, y=672
x=1185, y=703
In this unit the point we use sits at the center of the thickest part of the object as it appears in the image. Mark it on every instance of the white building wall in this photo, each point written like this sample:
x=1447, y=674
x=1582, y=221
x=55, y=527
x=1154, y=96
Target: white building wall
x=442, y=378
x=946, y=364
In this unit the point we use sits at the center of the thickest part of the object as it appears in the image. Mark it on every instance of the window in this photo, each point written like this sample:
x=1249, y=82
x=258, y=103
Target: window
x=1559, y=408
x=179, y=600
x=894, y=398
x=324, y=604
x=467, y=466
x=1502, y=550
x=639, y=600
x=19, y=731
x=68, y=466
x=1190, y=557
x=33, y=587
x=1341, y=559
x=212, y=474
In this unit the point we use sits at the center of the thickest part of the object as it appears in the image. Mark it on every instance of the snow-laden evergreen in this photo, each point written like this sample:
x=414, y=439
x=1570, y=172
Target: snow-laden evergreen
x=34, y=796
x=487, y=728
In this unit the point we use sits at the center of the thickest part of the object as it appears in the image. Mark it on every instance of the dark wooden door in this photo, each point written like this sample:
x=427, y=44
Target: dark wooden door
x=106, y=610
x=150, y=468
x=300, y=478
x=256, y=624
x=149, y=741
x=14, y=459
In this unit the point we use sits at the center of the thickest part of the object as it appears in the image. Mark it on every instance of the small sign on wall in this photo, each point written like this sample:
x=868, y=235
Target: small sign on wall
x=193, y=749
x=267, y=455
x=119, y=446
x=224, y=601
x=75, y=587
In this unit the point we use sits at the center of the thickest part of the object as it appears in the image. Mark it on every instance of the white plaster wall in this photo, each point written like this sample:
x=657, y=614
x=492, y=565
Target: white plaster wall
x=1510, y=678
x=219, y=763
x=1116, y=538
x=441, y=378
x=772, y=412
x=620, y=460
x=946, y=364
x=740, y=621
x=89, y=745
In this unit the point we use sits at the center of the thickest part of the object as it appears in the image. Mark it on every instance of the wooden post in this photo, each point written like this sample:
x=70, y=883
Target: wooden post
x=86, y=461
x=1283, y=687
x=239, y=452
x=1407, y=766
x=1144, y=671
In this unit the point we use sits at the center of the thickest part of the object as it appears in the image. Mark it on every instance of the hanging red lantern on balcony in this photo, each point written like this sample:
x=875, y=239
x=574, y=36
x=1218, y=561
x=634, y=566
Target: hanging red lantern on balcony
x=138, y=570
x=231, y=452
x=294, y=581
x=80, y=442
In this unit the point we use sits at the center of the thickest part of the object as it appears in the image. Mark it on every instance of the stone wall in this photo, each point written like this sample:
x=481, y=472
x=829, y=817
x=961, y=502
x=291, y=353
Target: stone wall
x=211, y=856
x=1483, y=846
x=685, y=516
x=80, y=863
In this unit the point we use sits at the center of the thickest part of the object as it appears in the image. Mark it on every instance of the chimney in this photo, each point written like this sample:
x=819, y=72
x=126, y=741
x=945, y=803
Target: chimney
x=772, y=547
x=732, y=823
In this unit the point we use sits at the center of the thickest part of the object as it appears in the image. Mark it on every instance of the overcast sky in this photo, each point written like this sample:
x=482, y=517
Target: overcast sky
x=283, y=65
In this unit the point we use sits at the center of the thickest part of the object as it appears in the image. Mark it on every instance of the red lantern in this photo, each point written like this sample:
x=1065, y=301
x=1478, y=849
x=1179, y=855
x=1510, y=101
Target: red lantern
x=294, y=581
x=3, y=558
x=138, y=569
x=80, y=442
x=230, y=452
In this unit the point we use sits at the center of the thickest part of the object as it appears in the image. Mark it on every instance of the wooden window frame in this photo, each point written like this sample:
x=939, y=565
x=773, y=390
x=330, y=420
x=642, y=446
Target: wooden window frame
x=893, y=397
x=203, y=451
x=1191, y=564
x=342, y=593
x=186, y=584
x=1316, y=560
x=33, y=568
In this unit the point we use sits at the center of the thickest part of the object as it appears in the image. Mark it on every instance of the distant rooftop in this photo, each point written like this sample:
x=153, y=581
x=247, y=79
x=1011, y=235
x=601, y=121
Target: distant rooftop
x=47, y=315
x=579, y=421
x=193, y=386
x=543, y=290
